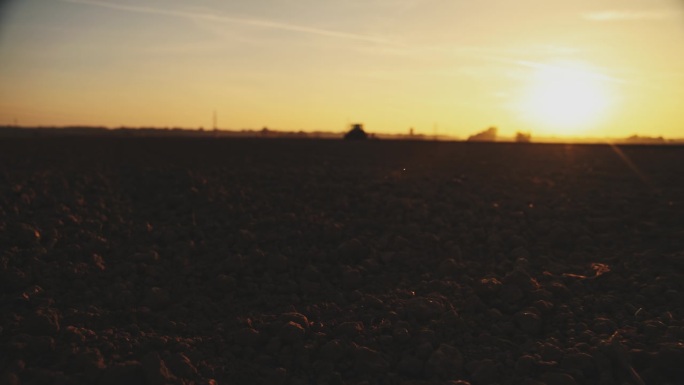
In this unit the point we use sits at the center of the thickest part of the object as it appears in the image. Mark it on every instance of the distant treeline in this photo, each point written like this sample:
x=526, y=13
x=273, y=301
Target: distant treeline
x=489, y=135
x=13, y=131
x=27, y=132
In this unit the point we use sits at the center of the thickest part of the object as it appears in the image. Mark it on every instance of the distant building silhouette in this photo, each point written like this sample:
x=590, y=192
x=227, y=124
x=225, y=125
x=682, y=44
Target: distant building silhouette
x=645, y=139
x=523, y=137
x=356, y=133
x=488, y=135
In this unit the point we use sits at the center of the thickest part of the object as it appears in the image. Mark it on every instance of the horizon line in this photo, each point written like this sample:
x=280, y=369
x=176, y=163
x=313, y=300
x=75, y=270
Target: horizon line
x=322, y=131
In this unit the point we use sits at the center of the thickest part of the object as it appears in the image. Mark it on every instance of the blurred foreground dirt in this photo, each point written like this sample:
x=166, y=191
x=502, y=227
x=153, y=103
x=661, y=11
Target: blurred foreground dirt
x=198, y=261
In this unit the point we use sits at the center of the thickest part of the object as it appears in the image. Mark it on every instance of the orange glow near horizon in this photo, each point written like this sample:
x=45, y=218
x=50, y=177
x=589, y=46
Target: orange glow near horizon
x=449, y=68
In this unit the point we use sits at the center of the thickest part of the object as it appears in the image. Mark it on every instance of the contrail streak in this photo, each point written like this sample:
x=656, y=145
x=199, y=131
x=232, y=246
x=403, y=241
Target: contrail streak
x=235, y=20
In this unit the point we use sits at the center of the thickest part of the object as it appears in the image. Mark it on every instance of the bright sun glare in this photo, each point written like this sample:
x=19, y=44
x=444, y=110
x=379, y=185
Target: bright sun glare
x=565, y=99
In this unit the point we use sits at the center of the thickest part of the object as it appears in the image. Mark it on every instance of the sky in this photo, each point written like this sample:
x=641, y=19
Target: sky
x=597, y=68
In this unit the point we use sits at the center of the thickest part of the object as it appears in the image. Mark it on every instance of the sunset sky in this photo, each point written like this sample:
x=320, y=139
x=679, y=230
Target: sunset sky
x=564, y=68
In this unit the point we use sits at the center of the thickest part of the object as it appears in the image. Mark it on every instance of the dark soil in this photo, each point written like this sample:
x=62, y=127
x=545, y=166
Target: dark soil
x=197, y=261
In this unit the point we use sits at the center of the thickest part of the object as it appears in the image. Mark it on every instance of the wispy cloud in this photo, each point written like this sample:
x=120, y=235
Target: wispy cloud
x=576, y=68
x=632, y=15
x=260, y=23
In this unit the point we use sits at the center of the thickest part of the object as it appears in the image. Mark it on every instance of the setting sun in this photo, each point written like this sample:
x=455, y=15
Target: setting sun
x=443, y=69
x=565, y=99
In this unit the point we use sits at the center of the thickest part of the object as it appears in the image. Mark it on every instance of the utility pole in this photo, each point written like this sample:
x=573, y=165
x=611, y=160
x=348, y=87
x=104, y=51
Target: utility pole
x=215, y=119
